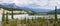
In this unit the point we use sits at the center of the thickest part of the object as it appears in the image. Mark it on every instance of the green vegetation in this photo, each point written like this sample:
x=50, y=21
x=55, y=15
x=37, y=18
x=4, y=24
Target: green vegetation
x=32, y=22
x=3, y=16
x=3, y=19
x=12, y=14
x=56, y=13
x=7, y=18
x=56, y=16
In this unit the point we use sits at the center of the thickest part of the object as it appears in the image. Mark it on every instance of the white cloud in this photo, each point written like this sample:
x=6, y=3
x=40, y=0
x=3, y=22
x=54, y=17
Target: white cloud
x=6, y=1
x=23, y=2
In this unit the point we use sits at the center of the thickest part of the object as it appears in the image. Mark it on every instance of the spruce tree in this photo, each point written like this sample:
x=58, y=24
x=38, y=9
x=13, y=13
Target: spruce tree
x=3, y=19
x=55, y=13
x=3, y=16
x=7, y=18
x=12, y=14
x=55, y=16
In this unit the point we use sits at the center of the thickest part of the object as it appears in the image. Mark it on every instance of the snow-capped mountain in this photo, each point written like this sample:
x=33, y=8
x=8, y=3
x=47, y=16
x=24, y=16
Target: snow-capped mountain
x=13, y=5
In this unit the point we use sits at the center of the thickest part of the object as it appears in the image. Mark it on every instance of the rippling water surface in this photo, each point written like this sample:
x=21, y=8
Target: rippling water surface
x=27, y=16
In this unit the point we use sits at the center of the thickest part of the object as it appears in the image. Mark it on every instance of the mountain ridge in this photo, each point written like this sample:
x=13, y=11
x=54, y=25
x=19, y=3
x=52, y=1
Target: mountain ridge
x=12, y=5
x=53, y=11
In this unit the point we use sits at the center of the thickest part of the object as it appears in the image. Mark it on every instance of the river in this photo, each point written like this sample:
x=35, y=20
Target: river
x=22, y=16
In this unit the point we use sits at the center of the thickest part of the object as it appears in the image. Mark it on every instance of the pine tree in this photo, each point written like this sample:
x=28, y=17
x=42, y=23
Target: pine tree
x=3, y=16
x=7, y=17
x=3, y=19
x=12, y=13
x=55, y=16
x=55, y=13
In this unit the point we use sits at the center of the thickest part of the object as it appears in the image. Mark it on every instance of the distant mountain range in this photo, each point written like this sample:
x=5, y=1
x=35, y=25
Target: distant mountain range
x=12, y=5
x=53, y=11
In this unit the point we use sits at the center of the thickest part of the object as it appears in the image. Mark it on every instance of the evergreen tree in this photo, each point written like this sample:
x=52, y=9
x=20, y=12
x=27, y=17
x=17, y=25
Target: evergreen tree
x=55, y=13
x=3, y=16
x=12, y=13
x=7, y=17
x=55, y=16
x=3, y=19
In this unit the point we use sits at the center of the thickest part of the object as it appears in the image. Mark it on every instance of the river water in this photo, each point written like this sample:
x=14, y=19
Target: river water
x=22, y=16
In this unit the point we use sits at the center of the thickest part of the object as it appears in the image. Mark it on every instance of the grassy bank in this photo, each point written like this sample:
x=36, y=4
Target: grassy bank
x=31, y=22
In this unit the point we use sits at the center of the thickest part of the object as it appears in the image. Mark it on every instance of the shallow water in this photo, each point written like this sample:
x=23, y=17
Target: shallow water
x=22, y=16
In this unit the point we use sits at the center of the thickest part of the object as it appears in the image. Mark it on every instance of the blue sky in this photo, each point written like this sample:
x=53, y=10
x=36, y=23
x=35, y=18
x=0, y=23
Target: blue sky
x=44, y=4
